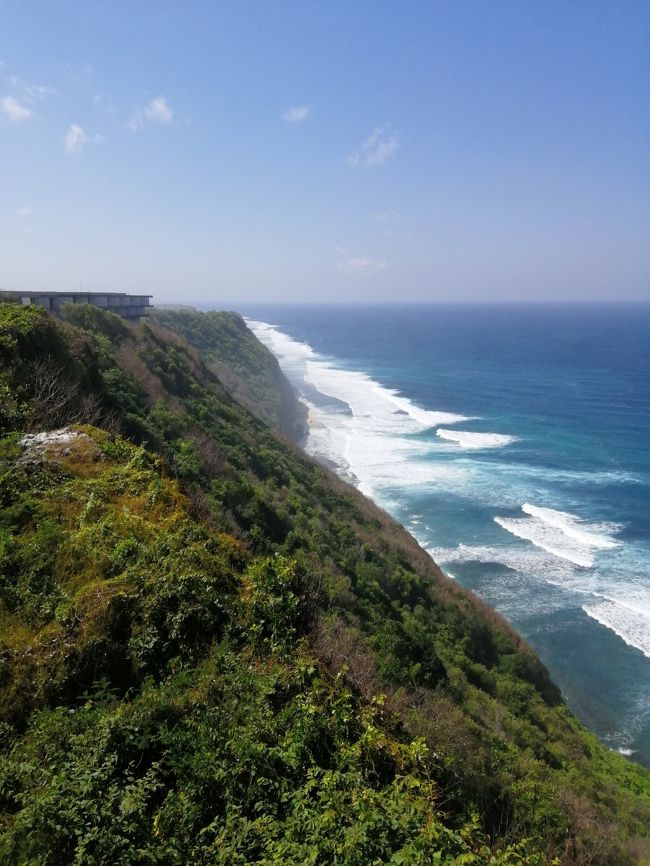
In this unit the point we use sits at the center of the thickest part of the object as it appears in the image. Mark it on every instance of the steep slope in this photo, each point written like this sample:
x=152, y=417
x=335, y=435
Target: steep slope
x=189, y=723
x=223, y=654
x=247, y=368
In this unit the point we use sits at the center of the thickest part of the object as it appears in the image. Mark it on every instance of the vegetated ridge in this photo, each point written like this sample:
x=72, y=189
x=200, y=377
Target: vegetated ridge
x=246, y=367
x=213, y=651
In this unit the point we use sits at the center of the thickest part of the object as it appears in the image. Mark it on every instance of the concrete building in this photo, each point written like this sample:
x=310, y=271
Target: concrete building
x=128, y=306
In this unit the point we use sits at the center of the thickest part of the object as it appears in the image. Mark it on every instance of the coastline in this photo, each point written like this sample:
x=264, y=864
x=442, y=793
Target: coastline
x=536, y=558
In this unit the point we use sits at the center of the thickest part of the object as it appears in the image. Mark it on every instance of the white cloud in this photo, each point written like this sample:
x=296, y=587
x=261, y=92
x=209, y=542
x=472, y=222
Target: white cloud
x=376, y=149
x=38, y=91
x=386, y=216
x=297, y=114
x=16, y=112
x=158, y=110
x=361, y=265
x=25, y=211
x=75, y=138
x=18, y=107
x=155, y=111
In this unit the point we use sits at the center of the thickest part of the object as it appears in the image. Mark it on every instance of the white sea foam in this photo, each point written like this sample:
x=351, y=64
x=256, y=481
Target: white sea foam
x=381, y=427
x=374, y=443
x=472, y=441
x=525, y=569
x=592, y=535
x=518, y=559
x=378, y=439
x=523, y=475
x=630, y=624
x=561, y=533
x=290, y=352
x=543, y=536
x=384, y=407
x=618, y=602
x=425, y=417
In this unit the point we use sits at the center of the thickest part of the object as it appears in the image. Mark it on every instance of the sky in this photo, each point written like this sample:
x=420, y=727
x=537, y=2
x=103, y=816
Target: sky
x=326, y=150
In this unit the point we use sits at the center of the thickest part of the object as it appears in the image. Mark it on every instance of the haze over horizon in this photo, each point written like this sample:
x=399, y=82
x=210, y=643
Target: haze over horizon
x=326, y=152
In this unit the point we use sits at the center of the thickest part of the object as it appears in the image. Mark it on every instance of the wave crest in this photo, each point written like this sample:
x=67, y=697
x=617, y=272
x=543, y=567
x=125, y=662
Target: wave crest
x=475, y=441
x=630, y=624
x=561, y=533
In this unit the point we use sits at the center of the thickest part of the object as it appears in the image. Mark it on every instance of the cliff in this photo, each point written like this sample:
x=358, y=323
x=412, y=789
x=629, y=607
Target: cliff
x=247, y=368
x=214, y=651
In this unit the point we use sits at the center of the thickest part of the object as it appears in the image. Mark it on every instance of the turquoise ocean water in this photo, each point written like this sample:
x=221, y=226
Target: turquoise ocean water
x=514, y=443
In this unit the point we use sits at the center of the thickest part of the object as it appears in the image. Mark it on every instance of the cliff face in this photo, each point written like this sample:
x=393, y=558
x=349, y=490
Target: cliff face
x=247, y=368
x=214, y=651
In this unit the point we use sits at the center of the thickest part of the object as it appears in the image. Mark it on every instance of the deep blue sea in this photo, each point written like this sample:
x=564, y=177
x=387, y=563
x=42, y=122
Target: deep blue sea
x=514, y=443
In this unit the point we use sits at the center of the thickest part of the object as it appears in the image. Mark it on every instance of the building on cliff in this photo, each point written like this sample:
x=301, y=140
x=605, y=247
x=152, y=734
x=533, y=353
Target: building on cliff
x=127, y=306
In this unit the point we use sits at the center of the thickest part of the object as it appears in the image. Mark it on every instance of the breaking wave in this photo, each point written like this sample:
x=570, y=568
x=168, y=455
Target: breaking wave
x=560, y=533
x=477, y=441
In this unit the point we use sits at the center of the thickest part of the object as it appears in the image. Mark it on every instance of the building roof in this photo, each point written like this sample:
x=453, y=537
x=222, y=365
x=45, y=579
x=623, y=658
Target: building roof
x=74, y=294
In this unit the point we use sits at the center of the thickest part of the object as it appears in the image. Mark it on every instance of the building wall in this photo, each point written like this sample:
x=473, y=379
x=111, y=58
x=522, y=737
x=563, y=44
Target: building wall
x=128, y=306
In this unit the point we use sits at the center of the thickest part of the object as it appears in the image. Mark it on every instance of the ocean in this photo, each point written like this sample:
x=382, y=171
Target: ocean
x=513, y=441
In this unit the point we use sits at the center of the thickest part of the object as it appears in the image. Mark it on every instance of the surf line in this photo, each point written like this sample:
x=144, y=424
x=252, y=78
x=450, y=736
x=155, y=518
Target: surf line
x=365, y=396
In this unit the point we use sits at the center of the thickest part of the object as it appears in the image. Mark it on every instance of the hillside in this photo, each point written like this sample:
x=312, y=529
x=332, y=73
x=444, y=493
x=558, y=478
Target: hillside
x=213, y=651
x=247, y=368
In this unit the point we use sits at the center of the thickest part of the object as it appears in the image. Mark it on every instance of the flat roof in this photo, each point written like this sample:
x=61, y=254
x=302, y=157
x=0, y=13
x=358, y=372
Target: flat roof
x=74, y=294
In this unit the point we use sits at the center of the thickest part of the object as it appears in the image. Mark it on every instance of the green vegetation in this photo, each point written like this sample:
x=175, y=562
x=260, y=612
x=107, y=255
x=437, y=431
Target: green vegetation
x=213, y=651
x=246, y=367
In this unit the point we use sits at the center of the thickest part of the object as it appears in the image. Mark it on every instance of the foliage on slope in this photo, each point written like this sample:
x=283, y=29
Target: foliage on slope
x=207, y=618
x=246, y=367
x=186, y=719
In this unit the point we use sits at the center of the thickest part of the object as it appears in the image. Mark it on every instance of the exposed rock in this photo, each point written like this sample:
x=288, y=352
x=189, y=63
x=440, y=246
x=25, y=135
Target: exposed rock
x=60, y=446
x=41, y=441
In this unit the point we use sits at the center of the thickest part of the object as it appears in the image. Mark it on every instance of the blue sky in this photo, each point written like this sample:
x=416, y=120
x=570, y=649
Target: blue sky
x=326, y=151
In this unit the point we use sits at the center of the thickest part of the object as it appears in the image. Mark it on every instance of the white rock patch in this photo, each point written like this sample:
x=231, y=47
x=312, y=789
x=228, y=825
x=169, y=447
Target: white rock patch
x=64, y=436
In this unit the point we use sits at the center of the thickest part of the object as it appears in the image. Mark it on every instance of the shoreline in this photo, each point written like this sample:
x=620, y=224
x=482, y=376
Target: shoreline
x=525, y=561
